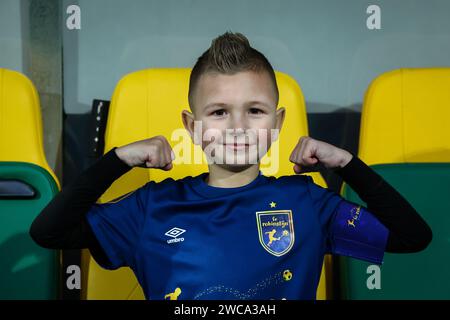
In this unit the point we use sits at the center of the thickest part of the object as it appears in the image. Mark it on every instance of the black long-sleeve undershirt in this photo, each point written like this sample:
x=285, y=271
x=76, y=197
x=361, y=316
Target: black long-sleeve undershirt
x=62, y=223
x=408, y=232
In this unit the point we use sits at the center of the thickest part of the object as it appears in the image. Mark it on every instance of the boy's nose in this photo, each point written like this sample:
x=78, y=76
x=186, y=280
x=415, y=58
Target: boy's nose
x=238, y=123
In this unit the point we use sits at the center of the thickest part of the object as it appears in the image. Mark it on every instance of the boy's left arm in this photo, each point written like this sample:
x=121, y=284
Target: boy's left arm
x=408, y=232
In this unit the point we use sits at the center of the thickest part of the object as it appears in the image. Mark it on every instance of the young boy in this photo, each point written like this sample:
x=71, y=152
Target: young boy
x=231, y=233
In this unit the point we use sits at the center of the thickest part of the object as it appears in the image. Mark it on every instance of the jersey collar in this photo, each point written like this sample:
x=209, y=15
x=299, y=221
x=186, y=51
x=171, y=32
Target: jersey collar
x=200, y=186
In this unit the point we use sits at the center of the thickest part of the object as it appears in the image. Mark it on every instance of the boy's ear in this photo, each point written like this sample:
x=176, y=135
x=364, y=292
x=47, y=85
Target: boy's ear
x=188, y=122
x=280, y=115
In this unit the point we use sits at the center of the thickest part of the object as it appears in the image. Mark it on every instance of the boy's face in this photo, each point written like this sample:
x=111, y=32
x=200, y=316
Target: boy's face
x=236, y=113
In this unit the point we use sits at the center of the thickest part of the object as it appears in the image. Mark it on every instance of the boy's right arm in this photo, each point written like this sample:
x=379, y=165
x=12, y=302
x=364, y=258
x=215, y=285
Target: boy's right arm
x=62, y=223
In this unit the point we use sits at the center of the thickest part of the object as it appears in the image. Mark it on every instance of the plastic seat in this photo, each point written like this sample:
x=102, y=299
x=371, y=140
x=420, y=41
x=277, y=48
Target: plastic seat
x=405, y=137
x=27, y=184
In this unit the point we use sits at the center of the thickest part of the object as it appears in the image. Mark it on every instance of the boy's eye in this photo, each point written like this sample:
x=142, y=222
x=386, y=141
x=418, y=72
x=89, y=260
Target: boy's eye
x=256, y=111
x=219, y=112
x=222, y=112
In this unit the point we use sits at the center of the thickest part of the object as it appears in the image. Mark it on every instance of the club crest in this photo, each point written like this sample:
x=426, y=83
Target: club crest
x=276, y=231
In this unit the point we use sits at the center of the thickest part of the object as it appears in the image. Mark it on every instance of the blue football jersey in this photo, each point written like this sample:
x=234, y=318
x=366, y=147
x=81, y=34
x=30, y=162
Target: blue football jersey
x=186, y=240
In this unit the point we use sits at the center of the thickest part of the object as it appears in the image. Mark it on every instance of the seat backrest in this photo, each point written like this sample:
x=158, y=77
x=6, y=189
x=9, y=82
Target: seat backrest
x=405, y=137
x=149, y=102
x=27, y=271
x=406, y=117
x=21, y=121
x=422, y=275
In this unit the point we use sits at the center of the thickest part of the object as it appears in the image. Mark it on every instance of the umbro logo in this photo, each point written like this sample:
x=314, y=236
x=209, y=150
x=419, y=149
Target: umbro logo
x=174, y=233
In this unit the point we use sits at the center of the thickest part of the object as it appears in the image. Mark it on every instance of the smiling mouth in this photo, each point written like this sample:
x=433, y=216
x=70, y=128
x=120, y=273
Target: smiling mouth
x=237, y=146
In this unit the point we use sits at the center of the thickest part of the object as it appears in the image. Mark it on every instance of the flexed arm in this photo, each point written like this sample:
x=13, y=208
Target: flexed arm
x=408, y=232
x=62, y=223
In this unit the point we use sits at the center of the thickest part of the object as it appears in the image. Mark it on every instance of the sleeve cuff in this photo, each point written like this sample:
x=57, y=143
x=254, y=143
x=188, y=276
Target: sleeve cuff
x=114, y=165
x=106, y=170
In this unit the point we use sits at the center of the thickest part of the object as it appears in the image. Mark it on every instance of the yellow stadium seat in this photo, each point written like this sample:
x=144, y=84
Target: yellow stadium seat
x=405, y=138
x=21, y=122
x=27, y=271
x=149, y=102
x=406, y=117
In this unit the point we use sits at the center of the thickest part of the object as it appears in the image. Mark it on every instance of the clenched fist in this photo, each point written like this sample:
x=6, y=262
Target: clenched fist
x=309, y=153
x=149, y=153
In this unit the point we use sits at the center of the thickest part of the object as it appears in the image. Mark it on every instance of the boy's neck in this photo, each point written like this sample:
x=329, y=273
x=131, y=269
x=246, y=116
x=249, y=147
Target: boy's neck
x=223, y=178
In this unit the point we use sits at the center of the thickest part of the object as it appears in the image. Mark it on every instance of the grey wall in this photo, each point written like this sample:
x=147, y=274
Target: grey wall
x=324, y=44
x=31, y=43
x=11, y=42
